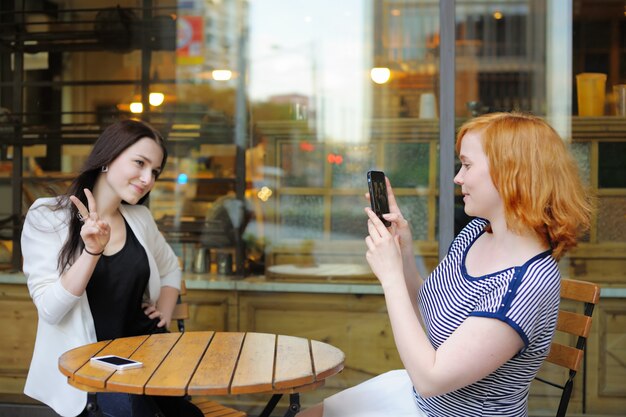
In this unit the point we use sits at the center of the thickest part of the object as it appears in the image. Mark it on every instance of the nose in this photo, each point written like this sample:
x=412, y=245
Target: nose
x=146, y=176
x=458, y=178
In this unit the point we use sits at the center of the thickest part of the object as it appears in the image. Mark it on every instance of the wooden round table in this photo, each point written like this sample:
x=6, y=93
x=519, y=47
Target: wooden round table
x=321, y=272
x=205, y=363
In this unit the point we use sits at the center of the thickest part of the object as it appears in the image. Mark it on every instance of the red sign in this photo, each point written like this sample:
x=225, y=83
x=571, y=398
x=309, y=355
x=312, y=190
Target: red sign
x=190, y=40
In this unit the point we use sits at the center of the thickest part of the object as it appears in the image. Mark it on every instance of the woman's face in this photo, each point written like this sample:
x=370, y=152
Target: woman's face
x=480, y=196
x=132, y=174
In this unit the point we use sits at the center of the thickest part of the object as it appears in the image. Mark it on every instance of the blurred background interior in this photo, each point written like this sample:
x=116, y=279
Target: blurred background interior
x=274, y=111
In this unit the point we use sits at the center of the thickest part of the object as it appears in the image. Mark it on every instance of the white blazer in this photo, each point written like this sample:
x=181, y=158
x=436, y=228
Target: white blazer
x=65, y=320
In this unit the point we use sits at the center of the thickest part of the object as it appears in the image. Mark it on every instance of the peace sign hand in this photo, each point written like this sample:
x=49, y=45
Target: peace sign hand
x=95, y=232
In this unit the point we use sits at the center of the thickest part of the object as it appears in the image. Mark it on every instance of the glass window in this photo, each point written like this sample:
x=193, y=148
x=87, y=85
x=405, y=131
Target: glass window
x=275, y=110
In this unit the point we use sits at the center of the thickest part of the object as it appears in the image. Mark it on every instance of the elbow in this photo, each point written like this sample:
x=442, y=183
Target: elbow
x=427, y=391
x=427, y=388
x=50, y=312
x=51, y=318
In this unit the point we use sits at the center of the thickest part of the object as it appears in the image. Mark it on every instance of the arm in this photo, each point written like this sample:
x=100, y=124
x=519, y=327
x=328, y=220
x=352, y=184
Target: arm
x=169, y=273
x=164, y=307
x=43, y=235
x=477, y=348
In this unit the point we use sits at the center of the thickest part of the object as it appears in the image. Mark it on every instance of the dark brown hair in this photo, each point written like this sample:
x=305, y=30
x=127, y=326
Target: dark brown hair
x=111, y=143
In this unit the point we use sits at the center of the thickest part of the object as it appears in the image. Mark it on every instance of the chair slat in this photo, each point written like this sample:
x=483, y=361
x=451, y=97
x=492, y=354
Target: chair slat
x=566, y=356
x=586, y=292
x=181, y=312
x=213, y=409
x=573, y=323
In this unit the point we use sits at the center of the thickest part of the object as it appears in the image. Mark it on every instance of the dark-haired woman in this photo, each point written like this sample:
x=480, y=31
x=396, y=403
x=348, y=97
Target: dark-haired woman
x=98, y=268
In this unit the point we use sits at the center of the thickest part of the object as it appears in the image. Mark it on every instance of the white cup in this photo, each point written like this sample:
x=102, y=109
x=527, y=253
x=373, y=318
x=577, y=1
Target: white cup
x=428, y=107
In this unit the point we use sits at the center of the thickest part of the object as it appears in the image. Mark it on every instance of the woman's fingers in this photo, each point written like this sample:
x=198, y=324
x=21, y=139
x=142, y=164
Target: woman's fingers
x=82, y=210
x=89, y=212
x=369, y=242
x=153, y=313
x=393, y=204
x=103, y=227
x=91, y=204
x=374, y=224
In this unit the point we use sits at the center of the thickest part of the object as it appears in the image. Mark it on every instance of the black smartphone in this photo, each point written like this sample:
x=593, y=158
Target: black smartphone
x=378, y=194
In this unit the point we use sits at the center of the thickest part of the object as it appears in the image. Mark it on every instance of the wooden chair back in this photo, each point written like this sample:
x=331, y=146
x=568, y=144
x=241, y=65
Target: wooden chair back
x=181, y=310
x=577, y=325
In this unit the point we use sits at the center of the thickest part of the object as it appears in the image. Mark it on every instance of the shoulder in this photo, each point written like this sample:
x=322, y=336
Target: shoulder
x=541, y=274
x=47, y=211
x=46, y=202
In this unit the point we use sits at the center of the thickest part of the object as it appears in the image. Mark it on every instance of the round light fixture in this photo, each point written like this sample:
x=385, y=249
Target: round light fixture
x=380, y=75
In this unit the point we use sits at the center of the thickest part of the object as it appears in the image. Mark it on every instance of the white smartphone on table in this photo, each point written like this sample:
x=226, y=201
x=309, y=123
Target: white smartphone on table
x=116, y=362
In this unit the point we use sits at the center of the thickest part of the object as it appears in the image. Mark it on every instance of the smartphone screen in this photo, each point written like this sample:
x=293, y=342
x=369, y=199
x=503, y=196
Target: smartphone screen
x=116, y=362
x=378, y=194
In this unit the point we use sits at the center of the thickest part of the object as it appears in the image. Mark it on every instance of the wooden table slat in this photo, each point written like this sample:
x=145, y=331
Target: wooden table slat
x=174, y=374
x=255, y=369
x=216, y=367
x=328, y=360
x=93, y=372
x=299, y=388
x=73, y=360
x=151, y=353
x=293, y=362
x=83, y=387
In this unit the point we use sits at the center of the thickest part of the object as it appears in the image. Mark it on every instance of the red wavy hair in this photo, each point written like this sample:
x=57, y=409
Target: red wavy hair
x=536, y=176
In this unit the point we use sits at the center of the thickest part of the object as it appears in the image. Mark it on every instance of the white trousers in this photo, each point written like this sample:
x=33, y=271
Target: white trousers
x=387, y=395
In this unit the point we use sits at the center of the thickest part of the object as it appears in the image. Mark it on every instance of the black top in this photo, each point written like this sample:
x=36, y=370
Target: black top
x=116, y=289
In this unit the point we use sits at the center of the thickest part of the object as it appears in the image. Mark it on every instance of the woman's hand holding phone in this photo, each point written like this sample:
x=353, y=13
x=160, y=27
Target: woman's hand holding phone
x=393, y=216
x=400, y=231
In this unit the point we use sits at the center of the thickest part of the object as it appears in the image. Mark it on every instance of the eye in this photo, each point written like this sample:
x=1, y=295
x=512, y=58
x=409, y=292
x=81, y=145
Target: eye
x=465, y=165
x=139, y=162
x=156, y=173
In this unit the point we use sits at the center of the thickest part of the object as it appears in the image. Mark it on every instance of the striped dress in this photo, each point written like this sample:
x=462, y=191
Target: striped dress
x=526, y=297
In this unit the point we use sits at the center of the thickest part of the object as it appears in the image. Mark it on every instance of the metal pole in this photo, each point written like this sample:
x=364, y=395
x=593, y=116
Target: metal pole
x=18, y=103
x=146, y=58
x=446, y=124
x=241, y=128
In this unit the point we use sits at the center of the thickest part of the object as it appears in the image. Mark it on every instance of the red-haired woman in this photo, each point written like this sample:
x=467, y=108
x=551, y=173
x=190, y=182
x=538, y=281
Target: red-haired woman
x=473, y=334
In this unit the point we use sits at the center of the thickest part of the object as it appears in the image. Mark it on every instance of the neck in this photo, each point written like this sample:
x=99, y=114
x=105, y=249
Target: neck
x=507, y=239
x=107, y=202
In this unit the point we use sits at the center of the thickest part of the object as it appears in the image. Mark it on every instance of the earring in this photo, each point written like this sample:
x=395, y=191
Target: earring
x=105, y=168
